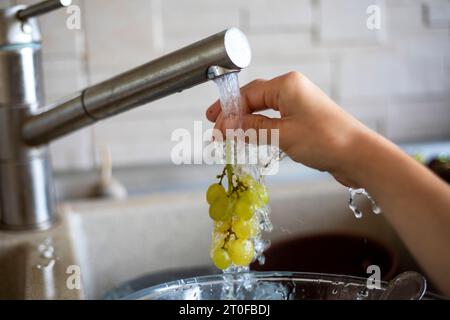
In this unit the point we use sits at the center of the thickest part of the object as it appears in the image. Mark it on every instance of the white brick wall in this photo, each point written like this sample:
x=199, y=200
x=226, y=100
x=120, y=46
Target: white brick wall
x=418, y=120
x=344, y=22
x=266, y=16
x=396, y=80
x=437, y=13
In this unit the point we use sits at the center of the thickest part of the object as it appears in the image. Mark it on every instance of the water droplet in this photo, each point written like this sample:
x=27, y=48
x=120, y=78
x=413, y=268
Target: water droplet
x=352, y=205
x=362, y=294
x=49, y=265
x=376, y=209
x=285, y=230
x=261, y=259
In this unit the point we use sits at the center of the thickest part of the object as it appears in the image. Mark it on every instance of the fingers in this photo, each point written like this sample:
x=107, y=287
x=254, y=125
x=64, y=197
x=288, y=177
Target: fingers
x=261, y=95
x=345, y=182
x=250, y=121
x=213, y=111
x=258, y=95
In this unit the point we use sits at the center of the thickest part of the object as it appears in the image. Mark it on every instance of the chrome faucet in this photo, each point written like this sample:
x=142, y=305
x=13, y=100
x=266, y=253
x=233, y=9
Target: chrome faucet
x=26, y=126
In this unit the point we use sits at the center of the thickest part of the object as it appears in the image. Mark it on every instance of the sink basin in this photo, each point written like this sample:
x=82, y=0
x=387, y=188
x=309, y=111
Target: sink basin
x=116, y=242
x=151, y=238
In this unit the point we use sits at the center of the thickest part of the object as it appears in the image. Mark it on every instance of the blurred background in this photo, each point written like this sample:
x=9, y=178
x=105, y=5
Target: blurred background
x=396, y=79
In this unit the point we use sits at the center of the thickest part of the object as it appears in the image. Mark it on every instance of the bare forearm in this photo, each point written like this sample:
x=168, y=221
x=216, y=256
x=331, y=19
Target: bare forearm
x=413, y=199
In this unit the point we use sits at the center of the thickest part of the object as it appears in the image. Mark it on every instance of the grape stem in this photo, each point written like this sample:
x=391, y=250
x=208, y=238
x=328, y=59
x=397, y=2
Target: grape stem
x=228, y=167
x=229, y=170
x=221, y=176
x=228, y=236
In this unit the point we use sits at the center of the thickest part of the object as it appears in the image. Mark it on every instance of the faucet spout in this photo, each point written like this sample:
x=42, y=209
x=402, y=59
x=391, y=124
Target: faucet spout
x=27, y=197
x=227, y=51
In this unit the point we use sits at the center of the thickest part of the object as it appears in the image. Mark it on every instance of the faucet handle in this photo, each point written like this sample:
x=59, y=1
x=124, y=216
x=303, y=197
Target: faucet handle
x=42, y=8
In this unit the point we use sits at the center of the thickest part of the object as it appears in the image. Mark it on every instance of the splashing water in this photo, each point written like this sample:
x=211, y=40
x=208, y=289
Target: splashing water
x=246, y=158
x=46, y=254
x=352, y=202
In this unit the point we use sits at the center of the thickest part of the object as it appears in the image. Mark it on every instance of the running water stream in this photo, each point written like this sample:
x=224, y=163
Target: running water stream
x=238, y=280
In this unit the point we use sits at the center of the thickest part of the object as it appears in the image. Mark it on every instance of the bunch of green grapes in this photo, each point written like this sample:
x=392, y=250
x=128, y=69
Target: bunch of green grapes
x=235, y=222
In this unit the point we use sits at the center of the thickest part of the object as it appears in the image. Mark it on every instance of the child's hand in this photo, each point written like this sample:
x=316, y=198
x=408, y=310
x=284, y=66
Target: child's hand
x=313, y=129
x=319, y=134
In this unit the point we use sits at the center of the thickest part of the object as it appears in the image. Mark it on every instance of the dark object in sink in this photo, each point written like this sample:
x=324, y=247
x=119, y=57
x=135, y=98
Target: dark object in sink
x=330, y=253
x=441, y=166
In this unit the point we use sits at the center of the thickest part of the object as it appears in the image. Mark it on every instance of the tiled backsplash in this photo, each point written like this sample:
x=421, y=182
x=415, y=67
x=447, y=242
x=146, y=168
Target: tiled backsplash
x=396, y=80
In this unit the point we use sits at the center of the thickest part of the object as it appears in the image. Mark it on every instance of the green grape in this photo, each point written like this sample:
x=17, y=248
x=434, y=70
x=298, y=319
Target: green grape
x=220, y=210
x=248, y=181
x=230, y=239
x=244, y=229
x=221, y=226
x=221, y=259
x=218, y=240
x=262, y=192
x=235, y=222
x=251, y=196
x=215, y=191
x=241, y=252
x=244, y=208
x=255, y=195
